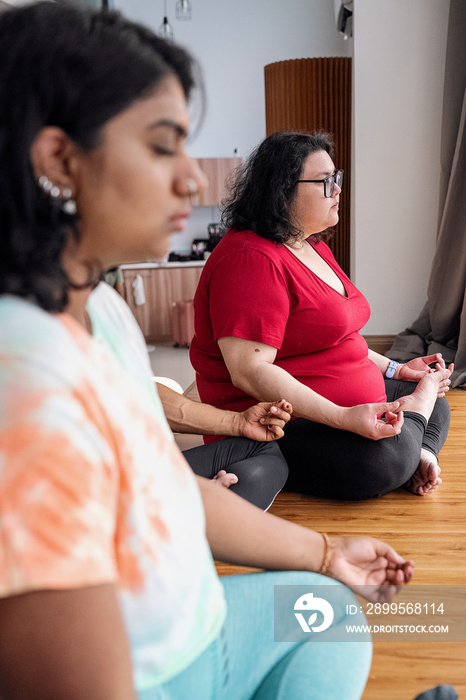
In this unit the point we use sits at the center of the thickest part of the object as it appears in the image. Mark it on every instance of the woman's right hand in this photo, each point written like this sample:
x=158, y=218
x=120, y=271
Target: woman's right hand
x=369, y=567
x=364, y=420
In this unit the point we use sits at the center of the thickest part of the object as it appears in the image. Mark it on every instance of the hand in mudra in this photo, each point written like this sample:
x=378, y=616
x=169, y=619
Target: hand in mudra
x=364, y=420
x=369, y=567
x=265, y=421
x=416, y=369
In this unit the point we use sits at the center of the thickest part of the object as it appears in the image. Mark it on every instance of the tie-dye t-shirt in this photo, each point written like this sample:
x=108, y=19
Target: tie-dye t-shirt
x=92, y=486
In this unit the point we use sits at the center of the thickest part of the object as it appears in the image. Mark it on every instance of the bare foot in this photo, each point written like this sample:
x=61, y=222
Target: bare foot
x=426, y=478
x=423, y=398
x=225, y=479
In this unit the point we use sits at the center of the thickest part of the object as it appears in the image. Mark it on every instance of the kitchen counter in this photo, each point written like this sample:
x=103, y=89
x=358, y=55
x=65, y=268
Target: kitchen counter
x=152, y=265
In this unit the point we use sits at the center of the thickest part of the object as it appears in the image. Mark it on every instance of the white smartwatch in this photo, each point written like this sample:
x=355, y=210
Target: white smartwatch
x=391, y=369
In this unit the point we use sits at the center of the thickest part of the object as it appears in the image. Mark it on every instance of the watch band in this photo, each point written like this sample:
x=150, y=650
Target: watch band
x=391, y=369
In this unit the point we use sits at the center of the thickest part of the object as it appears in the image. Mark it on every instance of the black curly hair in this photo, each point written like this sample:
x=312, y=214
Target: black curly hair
x=264, y=186
x=74, y=69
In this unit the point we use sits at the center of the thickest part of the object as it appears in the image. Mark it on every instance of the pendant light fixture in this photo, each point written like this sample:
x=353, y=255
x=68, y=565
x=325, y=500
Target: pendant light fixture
x=184, y=10
x=166, y=29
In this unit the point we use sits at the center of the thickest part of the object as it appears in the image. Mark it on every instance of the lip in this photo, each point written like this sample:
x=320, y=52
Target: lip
x=179, y=220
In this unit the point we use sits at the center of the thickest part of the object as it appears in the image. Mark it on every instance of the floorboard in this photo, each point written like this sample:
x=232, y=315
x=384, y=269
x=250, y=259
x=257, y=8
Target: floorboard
x=431, y=530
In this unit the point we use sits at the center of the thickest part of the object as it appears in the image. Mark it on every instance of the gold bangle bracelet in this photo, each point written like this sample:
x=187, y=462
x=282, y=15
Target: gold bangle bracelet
x=328, y=551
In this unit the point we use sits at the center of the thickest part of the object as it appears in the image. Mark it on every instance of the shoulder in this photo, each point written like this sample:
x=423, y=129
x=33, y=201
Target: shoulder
x=113, y=323
x=105, y=302
x=248, y=240
x=33, y=340
x=111, y=317
x=244, y=248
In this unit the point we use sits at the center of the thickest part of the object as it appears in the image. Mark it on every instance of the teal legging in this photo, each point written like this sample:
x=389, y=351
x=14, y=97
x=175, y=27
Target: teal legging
x=245, y=663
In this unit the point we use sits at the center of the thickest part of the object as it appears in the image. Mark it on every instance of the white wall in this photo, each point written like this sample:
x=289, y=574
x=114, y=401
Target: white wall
x=233, y=40
x=399, y=57
x=399, y=63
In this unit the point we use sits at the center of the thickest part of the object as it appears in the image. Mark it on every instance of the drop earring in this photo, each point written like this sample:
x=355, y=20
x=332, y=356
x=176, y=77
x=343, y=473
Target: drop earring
x=68, y=204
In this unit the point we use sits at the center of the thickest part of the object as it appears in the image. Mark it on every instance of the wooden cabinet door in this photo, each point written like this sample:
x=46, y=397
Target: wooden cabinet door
x=162, y=286
x=217, y=171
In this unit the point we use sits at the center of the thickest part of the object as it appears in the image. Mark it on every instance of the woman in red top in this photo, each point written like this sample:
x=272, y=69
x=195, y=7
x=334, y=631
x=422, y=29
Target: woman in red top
x=276, y=316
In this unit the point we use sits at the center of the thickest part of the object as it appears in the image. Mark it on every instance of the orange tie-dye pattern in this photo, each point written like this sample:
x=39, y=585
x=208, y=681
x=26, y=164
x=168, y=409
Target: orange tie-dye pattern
x=92, y=486
x=51, y=491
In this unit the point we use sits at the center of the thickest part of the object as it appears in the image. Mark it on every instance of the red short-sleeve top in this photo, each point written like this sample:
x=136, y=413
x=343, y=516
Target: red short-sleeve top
x=256, y=289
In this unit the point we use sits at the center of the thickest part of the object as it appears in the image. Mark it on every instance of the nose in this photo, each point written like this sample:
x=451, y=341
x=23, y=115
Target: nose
x=336, y=189
x=193, y=181
x=200, y=176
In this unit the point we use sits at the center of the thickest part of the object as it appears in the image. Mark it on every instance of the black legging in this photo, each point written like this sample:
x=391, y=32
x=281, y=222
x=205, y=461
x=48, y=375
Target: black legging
x=259, y=466
x=337, y=464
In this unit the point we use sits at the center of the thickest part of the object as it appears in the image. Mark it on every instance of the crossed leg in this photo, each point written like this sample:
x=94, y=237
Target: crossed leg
x=423, y=400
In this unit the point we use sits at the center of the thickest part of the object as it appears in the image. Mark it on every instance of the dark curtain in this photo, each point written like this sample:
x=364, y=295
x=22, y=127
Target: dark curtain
x=441, y=325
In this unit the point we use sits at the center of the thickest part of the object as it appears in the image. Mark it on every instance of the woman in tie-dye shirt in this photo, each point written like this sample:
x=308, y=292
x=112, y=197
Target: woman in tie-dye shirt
x=107, y=582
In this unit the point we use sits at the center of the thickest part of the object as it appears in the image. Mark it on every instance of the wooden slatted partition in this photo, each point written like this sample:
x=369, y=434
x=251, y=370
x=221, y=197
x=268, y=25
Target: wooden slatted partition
x=308, y=94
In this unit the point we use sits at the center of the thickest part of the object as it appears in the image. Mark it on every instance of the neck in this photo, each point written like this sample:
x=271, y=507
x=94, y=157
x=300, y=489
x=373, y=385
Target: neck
x=77, y=298
x=296, y=244
x=76, y=307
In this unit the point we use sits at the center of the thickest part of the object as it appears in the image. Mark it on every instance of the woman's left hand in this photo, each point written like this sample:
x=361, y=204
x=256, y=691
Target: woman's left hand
x=362, y=562
x=415, y=370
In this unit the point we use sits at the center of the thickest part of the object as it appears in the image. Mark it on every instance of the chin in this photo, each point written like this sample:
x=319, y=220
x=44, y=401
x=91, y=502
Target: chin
x=163, y=246
x=161, y=252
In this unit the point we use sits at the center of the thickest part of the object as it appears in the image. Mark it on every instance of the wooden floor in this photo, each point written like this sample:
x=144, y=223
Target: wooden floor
x=432, y=531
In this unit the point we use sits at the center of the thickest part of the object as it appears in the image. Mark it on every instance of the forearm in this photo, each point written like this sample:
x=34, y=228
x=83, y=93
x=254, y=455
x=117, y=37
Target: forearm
x=186, y=416
x=267, y=381
x=252, y=368
x=381, y=361
x=239, y=533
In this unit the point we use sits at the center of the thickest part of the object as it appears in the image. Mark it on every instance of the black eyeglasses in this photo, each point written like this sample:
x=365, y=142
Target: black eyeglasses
x=329, y=182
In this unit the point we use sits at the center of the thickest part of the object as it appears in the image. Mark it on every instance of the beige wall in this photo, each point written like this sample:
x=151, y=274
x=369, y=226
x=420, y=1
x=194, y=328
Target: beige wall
x=399, y=64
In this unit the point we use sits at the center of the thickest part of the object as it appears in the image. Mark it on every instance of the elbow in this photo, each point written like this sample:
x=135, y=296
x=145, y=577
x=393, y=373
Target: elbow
x=247, y=381
x=239, y=381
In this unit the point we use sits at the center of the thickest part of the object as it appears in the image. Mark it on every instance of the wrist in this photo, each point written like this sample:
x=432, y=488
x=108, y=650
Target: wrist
x=334, y=565
x=391, y=369
x=311, y=551
x=235, y=424
x=329, y=546
x=337, y=417
x=225, y=423
x=348, y=419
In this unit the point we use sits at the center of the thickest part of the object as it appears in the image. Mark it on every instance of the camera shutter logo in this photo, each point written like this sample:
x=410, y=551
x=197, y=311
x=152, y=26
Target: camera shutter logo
x=313, y=605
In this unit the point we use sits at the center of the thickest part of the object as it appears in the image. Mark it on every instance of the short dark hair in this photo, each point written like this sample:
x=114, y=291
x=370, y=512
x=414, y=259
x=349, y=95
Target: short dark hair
x=75, y=69
x=264, y=186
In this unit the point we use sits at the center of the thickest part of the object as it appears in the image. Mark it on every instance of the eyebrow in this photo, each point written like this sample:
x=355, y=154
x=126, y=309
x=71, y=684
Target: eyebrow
x=168, y=123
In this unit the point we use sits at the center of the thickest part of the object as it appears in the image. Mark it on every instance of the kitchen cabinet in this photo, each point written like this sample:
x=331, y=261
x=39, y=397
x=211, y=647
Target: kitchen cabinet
x=162, y=286
x=217, y=171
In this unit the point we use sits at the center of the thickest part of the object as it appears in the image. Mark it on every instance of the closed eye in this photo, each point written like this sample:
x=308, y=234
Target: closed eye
x=162, y=151
x=166, y=137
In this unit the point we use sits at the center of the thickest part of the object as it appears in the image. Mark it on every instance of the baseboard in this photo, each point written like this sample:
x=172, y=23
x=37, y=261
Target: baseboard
x=380, y=343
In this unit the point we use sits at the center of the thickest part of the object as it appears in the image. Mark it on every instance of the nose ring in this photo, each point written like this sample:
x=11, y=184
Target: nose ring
x=191, y=185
